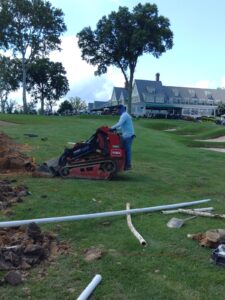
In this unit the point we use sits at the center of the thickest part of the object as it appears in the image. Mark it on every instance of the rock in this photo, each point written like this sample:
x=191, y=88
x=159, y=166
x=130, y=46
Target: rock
x=93, y=254
x=34, y=232
x=13, y=278
x=24, y=265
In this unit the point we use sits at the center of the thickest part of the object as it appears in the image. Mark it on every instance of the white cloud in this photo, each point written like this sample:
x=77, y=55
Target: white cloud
x=204, y=84
x=70, y=57
x=83, y=83
x=223, y=82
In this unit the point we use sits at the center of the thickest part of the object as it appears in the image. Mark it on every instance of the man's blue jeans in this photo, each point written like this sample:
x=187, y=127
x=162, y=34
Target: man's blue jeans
x=127, y=144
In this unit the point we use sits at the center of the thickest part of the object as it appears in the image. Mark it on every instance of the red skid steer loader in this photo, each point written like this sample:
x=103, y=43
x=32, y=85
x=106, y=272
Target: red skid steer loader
x=102, y=156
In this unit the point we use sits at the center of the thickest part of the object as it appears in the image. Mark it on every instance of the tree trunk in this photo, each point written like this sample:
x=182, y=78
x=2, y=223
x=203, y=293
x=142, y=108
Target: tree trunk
x=24, y=85
x=42, y=106
x=42, y=103
x=2, y=107
x=130, y=87
x=4, y=98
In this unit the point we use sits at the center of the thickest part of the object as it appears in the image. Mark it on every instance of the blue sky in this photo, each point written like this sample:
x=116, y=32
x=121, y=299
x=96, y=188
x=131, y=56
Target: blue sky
x=196, y=59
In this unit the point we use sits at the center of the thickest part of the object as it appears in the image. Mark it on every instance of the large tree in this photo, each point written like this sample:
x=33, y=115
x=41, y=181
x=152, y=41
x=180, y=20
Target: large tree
x=220, y=109
x=9, y=79
x=78, y=104
x=30, y=28
x=65, y=107
x=47, y=82
x=122, y=37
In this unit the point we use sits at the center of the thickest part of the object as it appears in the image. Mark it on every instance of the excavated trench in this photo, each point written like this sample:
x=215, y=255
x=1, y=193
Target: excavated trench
x=11, y=157
x=12, y=161
x=24, y=247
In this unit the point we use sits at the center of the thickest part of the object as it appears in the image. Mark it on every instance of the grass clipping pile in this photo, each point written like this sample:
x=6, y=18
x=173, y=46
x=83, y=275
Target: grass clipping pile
x=11, y=157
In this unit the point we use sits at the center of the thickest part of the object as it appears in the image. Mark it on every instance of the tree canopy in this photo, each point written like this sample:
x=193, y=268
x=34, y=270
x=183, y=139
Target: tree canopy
x=30, y=28
x=122, y=37
x=221, y=109
x=78, y=104
x=47, y=82
x=65, y=107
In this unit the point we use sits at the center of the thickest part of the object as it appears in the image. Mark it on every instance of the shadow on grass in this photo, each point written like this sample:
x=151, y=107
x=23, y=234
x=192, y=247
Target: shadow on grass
x=128, y=178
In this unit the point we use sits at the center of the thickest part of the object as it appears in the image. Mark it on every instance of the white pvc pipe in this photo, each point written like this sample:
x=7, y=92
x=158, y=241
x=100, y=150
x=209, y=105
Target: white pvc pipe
x=133, y=229
x=173, y=211
x=99, y=215
x=90, y=288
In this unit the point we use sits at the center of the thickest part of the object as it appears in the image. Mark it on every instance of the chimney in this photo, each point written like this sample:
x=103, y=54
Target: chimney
x=157, y=75
x=126, y=85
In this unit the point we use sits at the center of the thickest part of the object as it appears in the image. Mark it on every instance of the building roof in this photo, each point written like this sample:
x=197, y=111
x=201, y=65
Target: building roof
x=100, y=104
x=120, y=93
x=148, y=87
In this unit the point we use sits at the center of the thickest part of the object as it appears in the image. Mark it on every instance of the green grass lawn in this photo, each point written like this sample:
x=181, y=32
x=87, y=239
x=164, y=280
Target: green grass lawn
x=168, y=167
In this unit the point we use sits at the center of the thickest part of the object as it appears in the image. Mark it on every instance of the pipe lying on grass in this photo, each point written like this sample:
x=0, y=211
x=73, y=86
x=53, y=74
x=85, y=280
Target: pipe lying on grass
x=201, y=213
x=132, y=228
x=100, y=215
x=90, y=288
x=167, y=212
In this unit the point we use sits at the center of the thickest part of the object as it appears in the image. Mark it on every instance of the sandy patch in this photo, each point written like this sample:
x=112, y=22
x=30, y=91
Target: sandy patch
x=3, y=123
x=171, y=129
x=215, y=149
x=219, y=139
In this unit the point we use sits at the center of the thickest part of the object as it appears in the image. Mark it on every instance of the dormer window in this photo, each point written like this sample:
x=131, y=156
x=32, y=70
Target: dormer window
x=150, y=89
x=176, y=92
x=193, y=93
x=209, y=95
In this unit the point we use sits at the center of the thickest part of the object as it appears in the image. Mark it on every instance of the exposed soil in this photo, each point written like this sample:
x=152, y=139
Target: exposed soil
x=21, y=248
x=27, y=246
x=10, y=194
x=211, y=238
x=11, y=157
x=93, y=254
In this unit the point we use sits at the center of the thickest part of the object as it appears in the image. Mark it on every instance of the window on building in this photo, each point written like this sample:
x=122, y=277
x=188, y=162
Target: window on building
x=192, y=93
x=159, y=99
x=194, y=111
x=150, y=89
x=186, y=111
x=148, y=97
x=209, y=95
x=176, y=92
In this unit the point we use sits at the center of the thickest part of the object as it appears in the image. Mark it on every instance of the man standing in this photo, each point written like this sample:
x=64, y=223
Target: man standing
x=126, y=126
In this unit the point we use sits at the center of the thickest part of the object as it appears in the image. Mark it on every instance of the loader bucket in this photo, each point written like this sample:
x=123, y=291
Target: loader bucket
x=47, y=169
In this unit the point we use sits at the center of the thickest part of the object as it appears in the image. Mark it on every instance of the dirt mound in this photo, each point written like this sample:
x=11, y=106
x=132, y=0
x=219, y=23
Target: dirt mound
x=211, y=238
x=27, y=246
x=11, y=157
x=10, y=195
